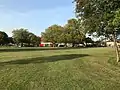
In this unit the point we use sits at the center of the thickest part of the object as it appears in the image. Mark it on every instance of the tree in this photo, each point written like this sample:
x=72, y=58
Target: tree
x=20, y=36
x=88, y=40
x=64, y=37
x=74, y=33
x=37, y=40
x=100, y=16
x=10, y=39
x=52, y=34
x=24, y=36
x=3, y=38
x=33, y=39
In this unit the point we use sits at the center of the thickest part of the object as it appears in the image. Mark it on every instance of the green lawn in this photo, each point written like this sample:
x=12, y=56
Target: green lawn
x=58, y=69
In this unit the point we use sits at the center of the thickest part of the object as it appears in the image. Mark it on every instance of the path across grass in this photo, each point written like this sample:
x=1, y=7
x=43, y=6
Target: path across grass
x=58, y=69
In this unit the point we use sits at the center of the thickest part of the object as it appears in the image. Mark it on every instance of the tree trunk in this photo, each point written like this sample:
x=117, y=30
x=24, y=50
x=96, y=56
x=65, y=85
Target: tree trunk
x=21, y=44
x=116, y=48
x=65, y=44
x=53, y=44
x=73, y=45
x=28, y=44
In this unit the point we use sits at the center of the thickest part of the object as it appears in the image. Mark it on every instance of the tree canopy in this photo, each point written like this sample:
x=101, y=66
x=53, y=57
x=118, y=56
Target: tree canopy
x=24, y=36
x=52, y=34
x=70, y=33
x=100, y=16
x=3, y=38
x=74, y=32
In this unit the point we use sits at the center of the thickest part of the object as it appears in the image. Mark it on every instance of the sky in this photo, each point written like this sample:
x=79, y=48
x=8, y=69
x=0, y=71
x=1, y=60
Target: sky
x=34, y=15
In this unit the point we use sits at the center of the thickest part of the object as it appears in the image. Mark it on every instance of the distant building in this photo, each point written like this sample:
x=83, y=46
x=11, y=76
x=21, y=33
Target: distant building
x=46, y=44
x=111, y=43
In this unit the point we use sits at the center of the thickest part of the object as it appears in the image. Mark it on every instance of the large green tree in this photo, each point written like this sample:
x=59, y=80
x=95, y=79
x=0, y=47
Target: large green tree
x=33, y=39
x=20, y=36
x=65, y=36
x=100, y=16
x=74, y=32
x=24, y=36
x=3, y=38
x=52, y=34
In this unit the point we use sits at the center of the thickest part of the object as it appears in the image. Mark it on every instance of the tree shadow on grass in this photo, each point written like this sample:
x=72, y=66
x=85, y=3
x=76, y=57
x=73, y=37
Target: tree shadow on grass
x=45, y=59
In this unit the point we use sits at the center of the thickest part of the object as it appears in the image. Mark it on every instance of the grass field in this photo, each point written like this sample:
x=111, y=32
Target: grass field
x=58, y=69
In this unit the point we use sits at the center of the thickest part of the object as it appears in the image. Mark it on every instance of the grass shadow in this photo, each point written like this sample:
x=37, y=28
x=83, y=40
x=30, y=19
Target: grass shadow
x=45, y=59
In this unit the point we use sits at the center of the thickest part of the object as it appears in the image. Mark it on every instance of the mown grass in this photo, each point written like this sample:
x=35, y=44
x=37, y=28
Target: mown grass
x=58, y=69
